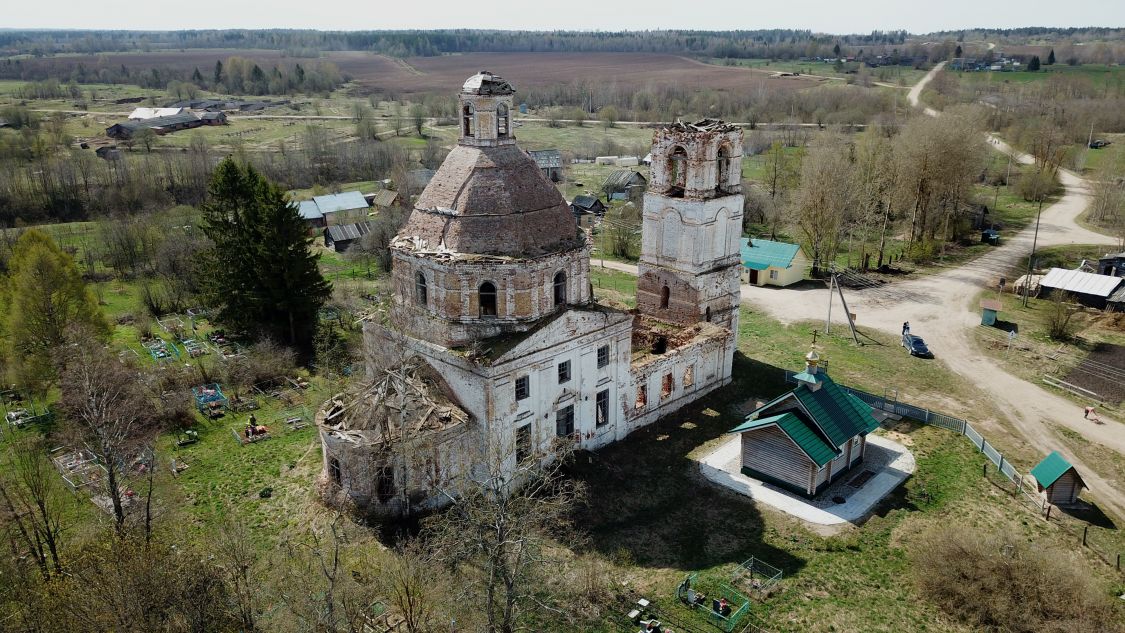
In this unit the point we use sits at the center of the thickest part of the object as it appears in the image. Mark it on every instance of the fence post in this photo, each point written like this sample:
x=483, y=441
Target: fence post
x=1000, y=466
x=1084, y=531
x=984, y=470
x=927, y=416
x=1118, y=561
x=1048, y=517
x=963, y=425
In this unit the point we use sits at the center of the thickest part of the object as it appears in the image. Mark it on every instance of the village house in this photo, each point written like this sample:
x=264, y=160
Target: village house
x=311, y=214
x=624, y=184
x=586, y=210
x=1112, y=265
x=492, y=345
x=550, y=163
x=769, y=263
x=807, y=438
x=339, y=237
x=382, y=199
x=160, y=125
x=1089, y=289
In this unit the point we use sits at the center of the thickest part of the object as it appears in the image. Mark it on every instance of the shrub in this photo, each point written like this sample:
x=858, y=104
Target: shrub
x=991, y=582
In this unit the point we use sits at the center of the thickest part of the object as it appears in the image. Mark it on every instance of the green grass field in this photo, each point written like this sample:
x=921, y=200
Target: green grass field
x=899, y=75
x=1111, y=78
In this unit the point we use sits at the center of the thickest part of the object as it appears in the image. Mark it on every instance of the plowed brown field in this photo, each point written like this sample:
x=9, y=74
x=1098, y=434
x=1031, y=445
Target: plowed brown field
x=445, y=73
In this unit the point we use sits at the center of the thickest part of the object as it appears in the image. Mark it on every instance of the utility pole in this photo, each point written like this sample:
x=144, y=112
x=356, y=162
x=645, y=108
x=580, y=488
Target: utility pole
x=1031, y=258
x=828, y=321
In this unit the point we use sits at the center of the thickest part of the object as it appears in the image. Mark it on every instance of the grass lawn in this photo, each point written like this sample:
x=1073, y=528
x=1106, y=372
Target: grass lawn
x=1109, y=77
x=656, y=520
x=589, y=140
x=902, y=75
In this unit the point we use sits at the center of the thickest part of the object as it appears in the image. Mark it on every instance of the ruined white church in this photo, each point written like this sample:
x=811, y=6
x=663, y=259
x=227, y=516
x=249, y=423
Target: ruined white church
x=492, y=336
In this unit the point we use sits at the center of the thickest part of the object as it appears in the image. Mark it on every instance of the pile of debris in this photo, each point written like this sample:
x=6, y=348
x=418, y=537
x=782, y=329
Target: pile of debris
x=405, y=402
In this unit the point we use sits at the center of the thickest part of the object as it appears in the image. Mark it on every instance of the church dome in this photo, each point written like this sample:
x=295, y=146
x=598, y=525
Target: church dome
x=490, y=201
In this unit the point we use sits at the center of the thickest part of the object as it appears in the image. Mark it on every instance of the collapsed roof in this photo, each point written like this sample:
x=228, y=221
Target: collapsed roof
x=408, y=401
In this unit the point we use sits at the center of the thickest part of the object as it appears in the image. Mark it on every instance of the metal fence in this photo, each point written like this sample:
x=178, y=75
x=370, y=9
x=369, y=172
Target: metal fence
x=1015, y=480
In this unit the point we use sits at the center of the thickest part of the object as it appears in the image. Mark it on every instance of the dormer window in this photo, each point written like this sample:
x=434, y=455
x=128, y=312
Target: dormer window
x=467, y=122
x=502, y=121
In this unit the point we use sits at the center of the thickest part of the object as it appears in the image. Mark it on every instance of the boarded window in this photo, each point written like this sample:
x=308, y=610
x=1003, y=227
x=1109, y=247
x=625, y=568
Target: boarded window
x=667, y=386
x=560, y=288
x=420, y=290
x=665, y=296
x=334, y=471
x=487, y=296
x=564, y=371
x=564, y=421
x=642, y=397
x=385, y=483
x=523, y=443
x=689, y=376
x=601, y=408
x=603, y=355
x=523, y=388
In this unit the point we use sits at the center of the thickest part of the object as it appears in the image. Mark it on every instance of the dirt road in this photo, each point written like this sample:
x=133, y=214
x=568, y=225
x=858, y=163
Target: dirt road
x=942, y=309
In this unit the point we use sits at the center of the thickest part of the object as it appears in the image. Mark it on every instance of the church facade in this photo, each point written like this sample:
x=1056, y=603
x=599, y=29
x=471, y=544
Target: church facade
x=491, y=292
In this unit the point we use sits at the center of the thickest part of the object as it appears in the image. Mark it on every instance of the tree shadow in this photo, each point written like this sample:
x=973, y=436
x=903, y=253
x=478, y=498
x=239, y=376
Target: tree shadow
x=650, y=504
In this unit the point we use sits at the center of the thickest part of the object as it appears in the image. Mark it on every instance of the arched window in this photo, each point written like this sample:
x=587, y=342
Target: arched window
x=560, y=288
x=665, y=296
x=677, y=169
x=487, y=299
x=420, y=289
x=467, y=120
x=722, y=169
x=707, y=314
x=502, y=121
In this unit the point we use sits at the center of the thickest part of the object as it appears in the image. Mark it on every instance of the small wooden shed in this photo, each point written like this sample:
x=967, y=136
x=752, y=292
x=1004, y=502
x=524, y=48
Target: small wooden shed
x=988, y=310
x=1058, y=479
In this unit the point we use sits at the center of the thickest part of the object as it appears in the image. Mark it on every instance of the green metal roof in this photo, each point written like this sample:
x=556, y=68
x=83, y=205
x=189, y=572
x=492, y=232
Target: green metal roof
x=802, y=434
x=1050, y=469
x=760, y=254
x=839, y=414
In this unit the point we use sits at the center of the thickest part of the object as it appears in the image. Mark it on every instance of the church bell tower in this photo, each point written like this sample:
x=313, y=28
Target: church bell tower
x=689, y=267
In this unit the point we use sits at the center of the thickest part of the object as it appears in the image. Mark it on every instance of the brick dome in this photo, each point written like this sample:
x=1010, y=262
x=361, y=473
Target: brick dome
x=490, y=201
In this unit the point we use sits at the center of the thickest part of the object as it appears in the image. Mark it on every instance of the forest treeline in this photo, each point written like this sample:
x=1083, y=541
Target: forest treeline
x=438, y=42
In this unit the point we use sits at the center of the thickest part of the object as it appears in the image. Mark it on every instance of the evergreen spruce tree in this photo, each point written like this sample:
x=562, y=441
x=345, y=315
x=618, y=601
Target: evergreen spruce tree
x=1033, y=65
x=44, y=297
x=1051, y=57
x=261, y=274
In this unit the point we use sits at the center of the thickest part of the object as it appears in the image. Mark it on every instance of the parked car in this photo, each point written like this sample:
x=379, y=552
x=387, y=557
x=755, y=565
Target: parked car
x=1098, y=144
x=916, y=346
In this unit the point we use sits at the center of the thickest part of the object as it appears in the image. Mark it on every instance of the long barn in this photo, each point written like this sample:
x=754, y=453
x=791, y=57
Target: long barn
x=807, y=438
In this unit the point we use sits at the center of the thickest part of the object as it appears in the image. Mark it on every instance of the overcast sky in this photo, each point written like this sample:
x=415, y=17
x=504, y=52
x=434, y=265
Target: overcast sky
x=832, y=16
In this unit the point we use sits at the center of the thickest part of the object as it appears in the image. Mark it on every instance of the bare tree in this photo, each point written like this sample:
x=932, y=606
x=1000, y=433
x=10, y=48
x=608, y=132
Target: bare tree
x=503, y=512
x=34, y=499
x=105, y=401
x=824, y=199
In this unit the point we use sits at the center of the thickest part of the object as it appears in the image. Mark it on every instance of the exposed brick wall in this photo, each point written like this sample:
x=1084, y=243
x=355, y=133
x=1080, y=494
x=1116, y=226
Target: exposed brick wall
x=683, y=298
x=451, y=316
x=490, y=201
x=702, y=151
